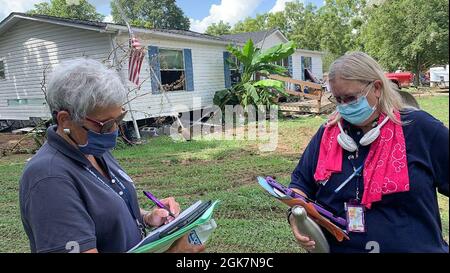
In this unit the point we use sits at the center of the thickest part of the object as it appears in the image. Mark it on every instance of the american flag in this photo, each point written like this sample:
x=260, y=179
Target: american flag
x=135, y=62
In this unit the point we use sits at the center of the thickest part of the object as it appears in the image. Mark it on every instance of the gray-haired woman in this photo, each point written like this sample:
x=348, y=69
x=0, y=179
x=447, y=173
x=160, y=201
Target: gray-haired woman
x=73, y=193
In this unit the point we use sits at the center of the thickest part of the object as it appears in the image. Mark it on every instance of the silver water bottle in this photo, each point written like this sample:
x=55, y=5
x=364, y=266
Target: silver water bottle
x=309, y=228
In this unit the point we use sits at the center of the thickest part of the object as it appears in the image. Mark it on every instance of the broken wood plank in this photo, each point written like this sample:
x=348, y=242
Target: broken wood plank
x=301, y=94
x=294, y=81
x=22, y=130
x=311, y=106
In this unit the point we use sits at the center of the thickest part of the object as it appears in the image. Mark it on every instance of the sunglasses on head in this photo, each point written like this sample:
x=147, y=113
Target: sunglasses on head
x=109, y=125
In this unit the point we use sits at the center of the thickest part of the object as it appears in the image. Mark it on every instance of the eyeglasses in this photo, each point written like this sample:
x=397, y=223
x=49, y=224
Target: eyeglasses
x=109, y=125
x=348, y=99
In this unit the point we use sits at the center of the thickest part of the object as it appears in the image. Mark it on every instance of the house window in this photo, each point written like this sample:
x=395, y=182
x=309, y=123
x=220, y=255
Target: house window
x=2, y=70
x=31, y=102
x=235, y=72
x=172, y=69
x=307, y=64
x=283, y=62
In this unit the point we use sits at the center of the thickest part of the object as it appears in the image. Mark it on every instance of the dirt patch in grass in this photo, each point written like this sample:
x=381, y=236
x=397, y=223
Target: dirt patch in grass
x=15, y=159
x=294, y=141
x=8, y=141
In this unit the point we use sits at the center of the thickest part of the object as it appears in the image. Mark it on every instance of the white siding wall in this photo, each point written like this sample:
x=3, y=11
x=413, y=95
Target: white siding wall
x=271, y=40
x=208, y=68
x=275, y=39
x=297, y=66
x=316, y=62
x=317, y=66
x=27, y=48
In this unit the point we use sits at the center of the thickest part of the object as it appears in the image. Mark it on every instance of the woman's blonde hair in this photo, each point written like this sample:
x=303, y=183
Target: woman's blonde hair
x=358, y=66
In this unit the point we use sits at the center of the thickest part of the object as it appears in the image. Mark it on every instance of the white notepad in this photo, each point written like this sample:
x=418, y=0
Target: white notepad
x=154, y=235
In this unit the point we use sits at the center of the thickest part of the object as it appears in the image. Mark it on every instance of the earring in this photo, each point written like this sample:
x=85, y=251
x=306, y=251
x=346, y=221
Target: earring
x=66, y=131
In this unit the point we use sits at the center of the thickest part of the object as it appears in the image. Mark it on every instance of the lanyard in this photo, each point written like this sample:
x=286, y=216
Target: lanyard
x=356, y=172
x=124, y=199
x=358, y=175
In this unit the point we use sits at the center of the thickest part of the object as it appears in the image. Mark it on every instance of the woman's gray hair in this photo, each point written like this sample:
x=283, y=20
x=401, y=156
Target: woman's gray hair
x=81, y=85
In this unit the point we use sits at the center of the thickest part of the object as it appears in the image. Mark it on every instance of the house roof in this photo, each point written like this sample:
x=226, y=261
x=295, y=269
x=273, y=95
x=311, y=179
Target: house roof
x=14, y=17
x=172, y=32
x=105, y=27
x=240, y=38
x=256, y=36
x=61, y=19
x=189, y=33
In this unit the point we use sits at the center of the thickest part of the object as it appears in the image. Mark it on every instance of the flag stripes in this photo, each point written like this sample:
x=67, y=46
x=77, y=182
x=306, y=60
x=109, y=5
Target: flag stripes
x=135, y=62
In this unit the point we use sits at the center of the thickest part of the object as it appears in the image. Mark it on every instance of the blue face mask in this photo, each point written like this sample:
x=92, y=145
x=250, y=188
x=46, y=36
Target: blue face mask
x=356, y=112
x=97, y=144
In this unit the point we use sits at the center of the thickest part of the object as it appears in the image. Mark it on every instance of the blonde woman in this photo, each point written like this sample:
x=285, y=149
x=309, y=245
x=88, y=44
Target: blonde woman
x=376, y=163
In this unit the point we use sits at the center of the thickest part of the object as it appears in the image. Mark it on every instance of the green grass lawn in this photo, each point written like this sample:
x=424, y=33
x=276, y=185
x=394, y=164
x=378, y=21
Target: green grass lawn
x=248, y=220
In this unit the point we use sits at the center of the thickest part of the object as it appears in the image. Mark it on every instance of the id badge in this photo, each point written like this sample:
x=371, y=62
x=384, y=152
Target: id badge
x=355, y=217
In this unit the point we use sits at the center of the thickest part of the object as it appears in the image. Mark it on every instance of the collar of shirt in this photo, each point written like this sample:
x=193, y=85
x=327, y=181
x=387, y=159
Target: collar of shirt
x=60, y=144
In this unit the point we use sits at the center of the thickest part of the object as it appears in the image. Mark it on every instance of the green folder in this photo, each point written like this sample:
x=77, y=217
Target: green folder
x=164, y=243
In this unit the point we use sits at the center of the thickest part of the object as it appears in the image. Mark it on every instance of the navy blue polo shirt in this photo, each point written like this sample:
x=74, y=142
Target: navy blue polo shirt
x=400, y=222
x=65, y=201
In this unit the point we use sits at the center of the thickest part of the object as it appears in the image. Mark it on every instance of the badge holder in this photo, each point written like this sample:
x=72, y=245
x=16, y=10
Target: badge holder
x=354, y=211
x=355, y=217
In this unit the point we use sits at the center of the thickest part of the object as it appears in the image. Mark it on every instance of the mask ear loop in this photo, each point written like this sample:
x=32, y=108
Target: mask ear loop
x=373, y=134
x=345, y=141
x=68, y=133
x=74, y=141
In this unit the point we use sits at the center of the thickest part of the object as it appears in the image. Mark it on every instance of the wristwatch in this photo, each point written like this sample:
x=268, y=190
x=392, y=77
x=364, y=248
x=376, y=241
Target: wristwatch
x=143, y=219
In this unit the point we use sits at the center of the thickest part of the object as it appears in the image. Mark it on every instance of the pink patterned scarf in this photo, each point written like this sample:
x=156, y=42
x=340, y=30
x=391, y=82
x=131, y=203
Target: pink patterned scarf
x=385, y=168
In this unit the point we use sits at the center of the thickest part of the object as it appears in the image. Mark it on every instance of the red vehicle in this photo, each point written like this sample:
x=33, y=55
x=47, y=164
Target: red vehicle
x=401, y=79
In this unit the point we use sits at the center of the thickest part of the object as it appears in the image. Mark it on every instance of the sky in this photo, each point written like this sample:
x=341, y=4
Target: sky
x=201, y=13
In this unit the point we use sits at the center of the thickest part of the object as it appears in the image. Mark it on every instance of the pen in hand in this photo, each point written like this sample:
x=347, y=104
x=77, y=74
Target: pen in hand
x=157, y=202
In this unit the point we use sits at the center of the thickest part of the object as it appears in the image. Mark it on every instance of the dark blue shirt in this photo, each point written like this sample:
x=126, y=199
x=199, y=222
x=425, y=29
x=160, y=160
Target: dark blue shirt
x=400, y=222
x=65, y=202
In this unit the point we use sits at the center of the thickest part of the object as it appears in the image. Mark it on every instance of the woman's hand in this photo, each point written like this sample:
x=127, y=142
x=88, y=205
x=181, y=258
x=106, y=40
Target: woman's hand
x=159, y=216
x=182, y=245
x=302, y=240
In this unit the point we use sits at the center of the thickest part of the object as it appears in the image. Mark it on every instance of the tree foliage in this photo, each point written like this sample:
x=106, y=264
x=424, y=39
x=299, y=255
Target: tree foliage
x=218, y=29
x=81, y=9
x=332, y=28
x=407, y=33
x=251, y=91
x=164, y=14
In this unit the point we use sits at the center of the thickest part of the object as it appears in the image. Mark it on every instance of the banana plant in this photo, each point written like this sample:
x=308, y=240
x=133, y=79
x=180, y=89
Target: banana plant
x=249, y=91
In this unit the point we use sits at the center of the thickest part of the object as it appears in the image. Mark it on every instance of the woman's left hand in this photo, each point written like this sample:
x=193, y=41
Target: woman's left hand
x=159, y=216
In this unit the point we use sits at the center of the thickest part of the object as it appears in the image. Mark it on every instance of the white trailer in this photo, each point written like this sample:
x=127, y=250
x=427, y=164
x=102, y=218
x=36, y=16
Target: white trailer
x=439, y=77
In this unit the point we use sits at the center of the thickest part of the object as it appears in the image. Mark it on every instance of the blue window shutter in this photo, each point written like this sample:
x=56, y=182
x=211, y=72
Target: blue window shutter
x=153, y=56
x=226, y=69
x=290, y=70
x=188, y=70
x=302, y=68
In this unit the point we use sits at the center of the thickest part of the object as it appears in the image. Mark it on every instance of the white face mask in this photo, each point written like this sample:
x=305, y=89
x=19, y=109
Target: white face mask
x=358, y=111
